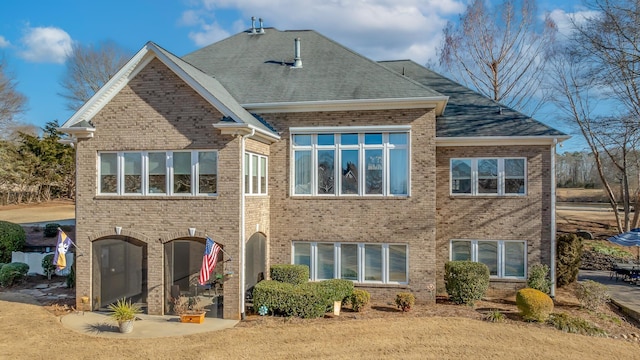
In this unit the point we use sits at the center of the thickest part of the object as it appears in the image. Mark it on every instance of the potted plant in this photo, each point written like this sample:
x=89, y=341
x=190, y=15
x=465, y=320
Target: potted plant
x=190, y=309
x=124, y=312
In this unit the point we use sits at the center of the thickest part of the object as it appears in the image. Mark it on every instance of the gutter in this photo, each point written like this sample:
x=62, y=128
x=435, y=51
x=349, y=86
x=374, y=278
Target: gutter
x=243, y=254
x=553, y=219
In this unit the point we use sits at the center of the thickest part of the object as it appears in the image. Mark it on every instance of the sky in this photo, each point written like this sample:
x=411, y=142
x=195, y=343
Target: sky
x=37, y=35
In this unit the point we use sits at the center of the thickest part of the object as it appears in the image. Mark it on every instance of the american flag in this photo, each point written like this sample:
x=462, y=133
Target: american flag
x=209, y=260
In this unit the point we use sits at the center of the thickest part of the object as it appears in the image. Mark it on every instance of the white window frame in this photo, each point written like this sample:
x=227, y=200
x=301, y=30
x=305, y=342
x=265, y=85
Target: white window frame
x=501, y=255
x=249, y=182
x=337, y=271
x=501, y=177
x=386, y=146
x=195, y=173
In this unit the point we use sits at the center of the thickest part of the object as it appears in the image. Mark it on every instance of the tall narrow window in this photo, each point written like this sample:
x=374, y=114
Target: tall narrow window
x=349, y=261
x=397, y=263
x=398, y=164
x=514, y=176
x=488, y=176
x=302, y=255
x=255, y=184
x=373, y=175
x=326, y=261
x=207, y=172
x=132, y=173
x=461, y=176
x=247, y=173
x=108, y=173
x=514, y=259
x=157, y=172
x=263, y=175
x=373, y=262
x=349, y=169
x=181, y=172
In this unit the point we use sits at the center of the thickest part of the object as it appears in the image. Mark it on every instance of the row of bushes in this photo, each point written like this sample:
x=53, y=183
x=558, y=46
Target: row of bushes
x=12, y=238
x=12, y=273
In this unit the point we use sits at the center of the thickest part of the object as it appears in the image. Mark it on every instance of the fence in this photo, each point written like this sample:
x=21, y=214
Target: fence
x=34, y=260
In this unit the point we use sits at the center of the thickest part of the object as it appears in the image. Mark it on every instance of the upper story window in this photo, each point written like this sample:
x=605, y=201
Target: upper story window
x=489, y=176
x=158, y=173
x=350, y=163
x=255, y=174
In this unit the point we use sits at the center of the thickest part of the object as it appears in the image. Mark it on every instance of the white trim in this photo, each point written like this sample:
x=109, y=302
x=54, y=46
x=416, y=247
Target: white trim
x=436, y=102
x=501, y=177
x=243, y=129
x=349, y=129
x=499, y=140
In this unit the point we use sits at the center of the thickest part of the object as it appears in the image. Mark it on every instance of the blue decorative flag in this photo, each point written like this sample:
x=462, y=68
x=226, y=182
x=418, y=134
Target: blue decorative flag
x=63, y=245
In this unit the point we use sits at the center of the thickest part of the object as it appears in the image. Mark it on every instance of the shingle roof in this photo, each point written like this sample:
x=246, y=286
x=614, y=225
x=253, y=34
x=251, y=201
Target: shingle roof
x=469, y=114
x=257, y=69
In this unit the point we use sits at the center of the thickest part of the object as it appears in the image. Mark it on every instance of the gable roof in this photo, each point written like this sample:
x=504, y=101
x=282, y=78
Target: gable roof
x=257, y=70
x=208, y=87
x=470, y=114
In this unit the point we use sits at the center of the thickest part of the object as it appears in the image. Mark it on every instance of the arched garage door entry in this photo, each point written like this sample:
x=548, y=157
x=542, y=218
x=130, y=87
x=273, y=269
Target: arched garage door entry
x=119, y=271
x=183, y=261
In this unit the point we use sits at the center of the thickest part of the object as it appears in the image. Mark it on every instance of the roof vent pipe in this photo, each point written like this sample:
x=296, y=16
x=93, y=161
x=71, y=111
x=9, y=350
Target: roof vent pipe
x=261, y=29
x=253, y=25
x=297, y=62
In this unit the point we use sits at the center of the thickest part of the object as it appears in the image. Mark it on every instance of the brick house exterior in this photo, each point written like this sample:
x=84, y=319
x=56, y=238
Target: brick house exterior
x=231, y=142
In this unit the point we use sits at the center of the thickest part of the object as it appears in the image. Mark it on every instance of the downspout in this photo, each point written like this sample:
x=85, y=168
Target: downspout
x=243, y=254
x=553, y=218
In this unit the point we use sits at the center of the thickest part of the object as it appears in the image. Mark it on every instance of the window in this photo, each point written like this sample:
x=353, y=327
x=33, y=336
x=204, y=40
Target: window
x=350, y=163
x=498, y=176
x=255, y=174
x=504, y=258
x=158, y=173
x=359, y=262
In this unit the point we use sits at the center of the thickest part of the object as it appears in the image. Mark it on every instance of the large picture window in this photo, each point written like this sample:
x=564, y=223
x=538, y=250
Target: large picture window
x=158, y=173
x=350, y=163
x=359, y=262
x=490, y=176
x=504, y=258
x=255, y=174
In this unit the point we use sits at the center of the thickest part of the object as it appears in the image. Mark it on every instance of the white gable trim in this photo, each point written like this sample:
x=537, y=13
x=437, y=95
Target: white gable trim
x=499, y=140
x=437, y=102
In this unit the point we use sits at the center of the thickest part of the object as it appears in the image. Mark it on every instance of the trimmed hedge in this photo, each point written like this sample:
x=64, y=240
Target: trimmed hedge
x=466, y=281
x=51, y=229
x=12, y=238
x=289, y=273
x=534, y=305
x=569, y=255
x=13, y=273
x=337, y=289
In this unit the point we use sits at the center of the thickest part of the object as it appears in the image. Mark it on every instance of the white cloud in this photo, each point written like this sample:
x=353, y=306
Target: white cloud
x=45, y=44
x=379, y=29
x=564, y=19
x=4, y=42
x=208, y=34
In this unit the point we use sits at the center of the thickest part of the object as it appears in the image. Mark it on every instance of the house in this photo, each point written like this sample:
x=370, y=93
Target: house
x=287, y=147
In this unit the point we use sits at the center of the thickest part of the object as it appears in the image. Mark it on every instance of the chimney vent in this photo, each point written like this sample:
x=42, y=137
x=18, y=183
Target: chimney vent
x=297, y=61
x=253, y=25
x=261, y=29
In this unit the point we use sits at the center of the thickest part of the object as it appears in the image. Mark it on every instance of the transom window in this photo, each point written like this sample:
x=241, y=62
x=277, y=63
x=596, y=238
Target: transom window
x=158, y=173
x=350, y=163
x=359, y=262
x=255, y=174
x=505, y=258
x=490, y=176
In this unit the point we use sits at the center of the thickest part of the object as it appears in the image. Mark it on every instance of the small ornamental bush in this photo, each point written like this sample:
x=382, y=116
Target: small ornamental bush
x=591, y=294
x=308, y=300
x=13, y=273
x=337, y=289
x=534, y=305
x=359, y=299
x=291, y=274
x=405, y=300
x=568, y=255
x=51, y=229
x=48, y=266
x=574, y=325
x=12, y=238
x=539, y=278
x=495, y=316
x=466, y=281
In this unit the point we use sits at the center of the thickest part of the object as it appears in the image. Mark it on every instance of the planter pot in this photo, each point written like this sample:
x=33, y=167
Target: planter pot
x=126, y=326
x=336, y=307
x=192, y=318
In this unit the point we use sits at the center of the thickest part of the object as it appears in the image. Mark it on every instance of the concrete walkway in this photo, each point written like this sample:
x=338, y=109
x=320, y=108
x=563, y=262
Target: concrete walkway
x=625, y=295
x=146, y=326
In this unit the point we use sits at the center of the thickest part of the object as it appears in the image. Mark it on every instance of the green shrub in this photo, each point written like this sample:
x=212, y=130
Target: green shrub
x=405, y=300
x=539, y=278
x=308, y=300
x=51, y=229
x=495, y=316
x=359, y=299
x=568, y=254
x=591, y=294
x=12, y=238
x=534, y=305
x=466, y=281
x=337, y=289
x=609, y=250
x=71, y=278
x=48, y=266
x=13, y=273
x=574, y=325
x=291, y=274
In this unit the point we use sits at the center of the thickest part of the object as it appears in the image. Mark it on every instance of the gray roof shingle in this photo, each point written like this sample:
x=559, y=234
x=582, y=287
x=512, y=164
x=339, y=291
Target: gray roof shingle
x=257, y=69
x=469, y=114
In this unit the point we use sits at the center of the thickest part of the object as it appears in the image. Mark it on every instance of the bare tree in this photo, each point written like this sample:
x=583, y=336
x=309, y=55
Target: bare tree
x=500, y=51
x=12, y=102
x=88, y=68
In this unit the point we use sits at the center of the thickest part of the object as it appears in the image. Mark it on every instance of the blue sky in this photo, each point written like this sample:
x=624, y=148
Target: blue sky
x=35, y=35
